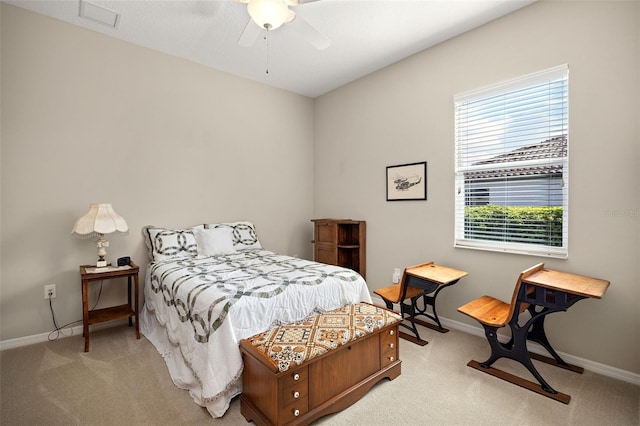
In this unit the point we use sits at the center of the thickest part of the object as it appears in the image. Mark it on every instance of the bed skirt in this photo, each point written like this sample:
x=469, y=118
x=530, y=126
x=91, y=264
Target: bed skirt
x=180, y=372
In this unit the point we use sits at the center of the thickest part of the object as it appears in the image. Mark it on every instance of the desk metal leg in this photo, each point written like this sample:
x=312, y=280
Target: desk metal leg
x=427, y=301
x=431, y=301
x=540, y=302
x=538, y=335
x=515, y=349
x=408, y=309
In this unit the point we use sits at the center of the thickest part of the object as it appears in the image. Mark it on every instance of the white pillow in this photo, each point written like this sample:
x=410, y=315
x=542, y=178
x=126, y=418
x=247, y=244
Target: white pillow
x=212, y=242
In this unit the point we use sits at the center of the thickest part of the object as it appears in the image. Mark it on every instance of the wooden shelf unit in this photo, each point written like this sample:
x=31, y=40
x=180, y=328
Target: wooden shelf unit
x=341, y=242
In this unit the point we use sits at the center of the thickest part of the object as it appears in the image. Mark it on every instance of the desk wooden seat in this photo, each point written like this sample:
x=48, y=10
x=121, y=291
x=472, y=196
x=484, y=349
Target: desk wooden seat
x=494, y=312
x=541, y=292
x=394, y=293
x=488, y=310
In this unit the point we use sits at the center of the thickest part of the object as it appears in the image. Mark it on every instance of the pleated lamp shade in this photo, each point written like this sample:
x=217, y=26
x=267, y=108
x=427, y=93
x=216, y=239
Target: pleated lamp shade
x=100, y=219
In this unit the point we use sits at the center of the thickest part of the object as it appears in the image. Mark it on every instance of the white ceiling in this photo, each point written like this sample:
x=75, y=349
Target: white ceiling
x=366, y=35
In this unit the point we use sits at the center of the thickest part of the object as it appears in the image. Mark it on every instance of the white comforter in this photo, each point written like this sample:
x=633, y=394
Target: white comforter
x=205, y=306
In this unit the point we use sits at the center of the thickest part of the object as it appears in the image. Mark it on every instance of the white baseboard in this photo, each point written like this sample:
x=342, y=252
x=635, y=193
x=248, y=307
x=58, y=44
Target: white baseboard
x=43, y=337
x=596, y=367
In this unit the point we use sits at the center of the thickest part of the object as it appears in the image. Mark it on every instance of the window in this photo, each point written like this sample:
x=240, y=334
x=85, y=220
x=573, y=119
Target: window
x=512, y=165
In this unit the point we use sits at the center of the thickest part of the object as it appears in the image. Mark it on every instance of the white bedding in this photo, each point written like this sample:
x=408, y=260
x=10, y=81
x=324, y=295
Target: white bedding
x=198, y=309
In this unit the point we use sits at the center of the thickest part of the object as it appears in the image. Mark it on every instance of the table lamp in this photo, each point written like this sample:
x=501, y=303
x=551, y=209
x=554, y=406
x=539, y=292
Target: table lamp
x=101, y=219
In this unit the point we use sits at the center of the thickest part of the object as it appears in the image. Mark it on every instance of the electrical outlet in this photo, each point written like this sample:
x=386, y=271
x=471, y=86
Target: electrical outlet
x=50, y=291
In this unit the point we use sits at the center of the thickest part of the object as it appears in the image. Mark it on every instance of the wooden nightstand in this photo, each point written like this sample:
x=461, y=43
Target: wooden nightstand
x=128, y=310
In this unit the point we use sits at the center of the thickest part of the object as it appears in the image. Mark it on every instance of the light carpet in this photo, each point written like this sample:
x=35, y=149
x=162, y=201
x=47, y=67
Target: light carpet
x=125, y=381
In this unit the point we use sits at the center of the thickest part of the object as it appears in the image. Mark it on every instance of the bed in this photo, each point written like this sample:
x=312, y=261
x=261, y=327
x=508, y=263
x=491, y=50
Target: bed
x=210, y=286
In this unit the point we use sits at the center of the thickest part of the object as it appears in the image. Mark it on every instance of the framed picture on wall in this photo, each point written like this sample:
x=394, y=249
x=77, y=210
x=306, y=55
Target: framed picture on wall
x=407, y=182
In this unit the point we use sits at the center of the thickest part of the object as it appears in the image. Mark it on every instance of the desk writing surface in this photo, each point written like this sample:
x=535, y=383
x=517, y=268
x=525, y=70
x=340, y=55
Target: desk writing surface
x=571, y=283
x=436, y=273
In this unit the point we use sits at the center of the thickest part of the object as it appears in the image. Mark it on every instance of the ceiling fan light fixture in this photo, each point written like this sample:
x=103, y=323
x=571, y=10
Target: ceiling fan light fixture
x=269, y=14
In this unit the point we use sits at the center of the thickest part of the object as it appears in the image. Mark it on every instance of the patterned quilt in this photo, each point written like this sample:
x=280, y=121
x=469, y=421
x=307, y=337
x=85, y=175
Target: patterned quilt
x=208, y=304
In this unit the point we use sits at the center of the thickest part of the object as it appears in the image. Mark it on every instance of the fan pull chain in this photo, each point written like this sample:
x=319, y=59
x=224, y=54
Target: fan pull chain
x=266, y=39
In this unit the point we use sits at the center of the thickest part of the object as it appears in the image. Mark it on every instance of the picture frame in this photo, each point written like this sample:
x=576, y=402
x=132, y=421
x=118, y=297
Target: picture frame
x=407, y=182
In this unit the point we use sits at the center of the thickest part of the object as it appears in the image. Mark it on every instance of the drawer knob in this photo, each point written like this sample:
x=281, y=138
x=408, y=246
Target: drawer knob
x=392, y=345
x=296, y=413
x=392, y=332
x=391, y=358
x=296, y=394
x=296, y=376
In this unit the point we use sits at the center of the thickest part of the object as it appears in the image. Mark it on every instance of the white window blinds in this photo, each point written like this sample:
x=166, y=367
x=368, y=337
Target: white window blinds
x=512, y=158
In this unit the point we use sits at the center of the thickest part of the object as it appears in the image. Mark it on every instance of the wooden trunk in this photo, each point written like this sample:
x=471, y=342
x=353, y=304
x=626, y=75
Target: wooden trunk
x=323, y=385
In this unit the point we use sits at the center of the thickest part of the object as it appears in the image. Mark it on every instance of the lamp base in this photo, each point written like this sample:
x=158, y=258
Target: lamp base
x=101, y=264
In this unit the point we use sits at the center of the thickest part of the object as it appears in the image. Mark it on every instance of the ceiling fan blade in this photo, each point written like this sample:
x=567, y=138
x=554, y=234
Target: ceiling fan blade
x=250, y=34
x=310, y=34
x=306, y=1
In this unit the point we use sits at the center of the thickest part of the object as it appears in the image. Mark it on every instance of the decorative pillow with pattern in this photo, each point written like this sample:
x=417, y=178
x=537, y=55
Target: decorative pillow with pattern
x=164, y=244
x=244, y=234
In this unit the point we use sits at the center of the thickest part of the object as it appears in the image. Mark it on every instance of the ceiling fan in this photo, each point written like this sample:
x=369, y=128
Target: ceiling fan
x=271, y=14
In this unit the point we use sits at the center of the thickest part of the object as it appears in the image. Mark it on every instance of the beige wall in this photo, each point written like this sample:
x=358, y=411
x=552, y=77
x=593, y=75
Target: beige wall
x=405, y=114
x=87, y=118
